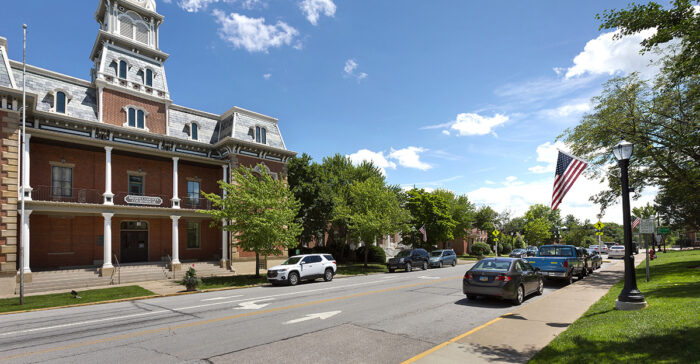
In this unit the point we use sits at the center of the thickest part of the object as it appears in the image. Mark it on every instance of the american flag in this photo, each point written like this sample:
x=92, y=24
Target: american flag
x=635, y=222
x=568, y=170
x=425, y=234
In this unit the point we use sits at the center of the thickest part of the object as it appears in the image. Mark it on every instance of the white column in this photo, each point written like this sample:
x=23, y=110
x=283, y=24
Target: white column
x=176, y=246
x=108, y=195
x=175, y=199
x=26, y=189
x=107, y=241
x=25, y=241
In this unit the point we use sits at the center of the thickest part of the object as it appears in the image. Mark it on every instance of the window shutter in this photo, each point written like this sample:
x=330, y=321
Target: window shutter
x=126, y=28
x=141, y=33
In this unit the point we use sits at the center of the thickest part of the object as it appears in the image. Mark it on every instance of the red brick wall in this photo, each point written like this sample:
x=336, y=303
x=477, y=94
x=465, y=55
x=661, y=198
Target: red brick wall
x=113, y=110
x=208, y=177
x=72, y=240
x=88, y=172
x=247, y=161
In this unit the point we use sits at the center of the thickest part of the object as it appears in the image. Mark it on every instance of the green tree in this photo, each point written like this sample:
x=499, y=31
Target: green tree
x=310, y=186
x=431, y=210
x=537, y=231
x=460, y=209
x=645, y=212
x=551, y=218
x=260, y=211
x=372, y=210
x=485, y=219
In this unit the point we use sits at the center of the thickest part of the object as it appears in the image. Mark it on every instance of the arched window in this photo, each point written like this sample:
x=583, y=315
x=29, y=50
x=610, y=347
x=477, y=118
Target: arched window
x=132, y=117
x=140, y=119
x=122, y=69
x=61, y=102
x=135, y=117
x=149, y=78
x=194, y=131
x=260, y=135
x=126, y=28
x=141, y=33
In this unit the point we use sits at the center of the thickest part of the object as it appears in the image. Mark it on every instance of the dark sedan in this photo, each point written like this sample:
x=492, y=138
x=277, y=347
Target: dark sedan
x=508, y=278
x=518, y=253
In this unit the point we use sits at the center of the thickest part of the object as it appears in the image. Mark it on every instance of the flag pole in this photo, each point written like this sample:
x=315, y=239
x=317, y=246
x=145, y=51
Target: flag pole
x=22, y=161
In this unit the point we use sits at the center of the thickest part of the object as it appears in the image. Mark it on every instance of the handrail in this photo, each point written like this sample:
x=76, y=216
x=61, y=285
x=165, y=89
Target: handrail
x=118, y=271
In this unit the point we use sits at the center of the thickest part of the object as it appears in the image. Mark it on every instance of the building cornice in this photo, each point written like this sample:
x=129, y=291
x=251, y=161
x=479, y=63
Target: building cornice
x=127, y=90
x=188, y=110
x=95, y=209
x=103, y=36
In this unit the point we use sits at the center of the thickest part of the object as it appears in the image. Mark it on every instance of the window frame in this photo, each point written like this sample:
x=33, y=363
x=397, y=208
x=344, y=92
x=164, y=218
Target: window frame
x=198, y=239
x=125, y=69
x=260, y=134
x=141, y=175
x=148, y=78
x=194, y=130
x=139, y=113
x=62, y=188
x=199, y=191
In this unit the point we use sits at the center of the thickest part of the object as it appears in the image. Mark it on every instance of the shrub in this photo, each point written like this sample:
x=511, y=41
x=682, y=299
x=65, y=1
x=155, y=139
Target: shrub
x=480, y=249
x=374, y=255
x=505, y=248
x=191, y=281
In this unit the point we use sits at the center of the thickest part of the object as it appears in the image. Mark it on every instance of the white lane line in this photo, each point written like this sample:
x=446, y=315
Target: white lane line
x=88, y=322
x=220, y=298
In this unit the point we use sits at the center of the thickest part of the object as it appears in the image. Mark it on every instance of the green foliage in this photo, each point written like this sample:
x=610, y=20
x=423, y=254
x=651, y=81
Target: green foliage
x=645, y=212
x=480, y=249
x=460, y=209
x=538, y=231
x=519, y=243
x=190, y=280
x=485, y=219
x=310, y=185
x=260, y=211
x=431, y=210
x=505, y=248
x=375, y=254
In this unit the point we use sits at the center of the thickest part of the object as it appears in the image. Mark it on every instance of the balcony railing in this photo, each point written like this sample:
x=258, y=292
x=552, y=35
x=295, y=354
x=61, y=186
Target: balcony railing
x=195, y=203
x=75, y=195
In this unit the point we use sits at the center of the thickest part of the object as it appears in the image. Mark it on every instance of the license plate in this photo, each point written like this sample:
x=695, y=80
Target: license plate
x=553, y=263
x=484, y=279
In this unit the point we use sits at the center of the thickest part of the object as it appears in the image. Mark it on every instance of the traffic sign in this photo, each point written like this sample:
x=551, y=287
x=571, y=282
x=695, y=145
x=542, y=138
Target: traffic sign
x=599, y=233
x=599, y=225
x=495, y=239
x=646, y=226
x=495, y=233
x=664, y=230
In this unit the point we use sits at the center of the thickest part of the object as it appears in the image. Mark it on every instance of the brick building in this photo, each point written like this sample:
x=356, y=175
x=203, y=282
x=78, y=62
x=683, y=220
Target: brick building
x=114, y=168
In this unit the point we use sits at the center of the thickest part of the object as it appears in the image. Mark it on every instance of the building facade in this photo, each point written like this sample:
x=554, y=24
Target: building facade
x=113, y=169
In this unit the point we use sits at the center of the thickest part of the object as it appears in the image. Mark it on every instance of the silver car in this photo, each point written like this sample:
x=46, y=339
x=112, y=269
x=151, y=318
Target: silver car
x=442, y=257
x=616, y=251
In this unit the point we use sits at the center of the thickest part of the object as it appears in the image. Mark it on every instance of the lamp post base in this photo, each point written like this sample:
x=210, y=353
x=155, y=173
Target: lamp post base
x=630, y=306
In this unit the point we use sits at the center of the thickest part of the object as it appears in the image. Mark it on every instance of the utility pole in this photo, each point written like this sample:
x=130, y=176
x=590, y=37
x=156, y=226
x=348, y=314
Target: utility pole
x=22, y=146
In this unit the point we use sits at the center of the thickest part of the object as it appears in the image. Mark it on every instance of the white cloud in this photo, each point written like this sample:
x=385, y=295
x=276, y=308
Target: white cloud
x=314, y=8
x=475, y=124
x=193, y=6
x=489, y=182
x=377, y=158
x=267, y=76
x=547, y=153
x=253, y=34
x=565, y=111
x=408, y=157
x=605, y=55
x=446, y=132
x=350, y=68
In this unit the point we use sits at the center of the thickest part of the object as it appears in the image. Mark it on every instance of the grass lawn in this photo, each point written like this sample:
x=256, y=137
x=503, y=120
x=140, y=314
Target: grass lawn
x=358, y=268
x=474, y=257
x=667, y=331
x=64, y=299
x=233, y=281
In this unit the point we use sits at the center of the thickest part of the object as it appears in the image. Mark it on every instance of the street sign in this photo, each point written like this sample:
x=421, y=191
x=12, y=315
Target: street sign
x=495, y=239
x=599, y=233
x=646, y=226
x=495, y=233
x=599, y=225
x=664, y=230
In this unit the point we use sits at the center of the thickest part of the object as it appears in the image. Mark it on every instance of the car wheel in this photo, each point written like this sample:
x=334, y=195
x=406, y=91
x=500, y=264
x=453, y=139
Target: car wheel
x=540, y=287
x=440, y=264
x=519, y=296
x=582, y=274
x=471, y=296
x=328, y=275
x=569, y=280
x=408, y=267
x=454, y=262
x=293, y=278
x=425, y=265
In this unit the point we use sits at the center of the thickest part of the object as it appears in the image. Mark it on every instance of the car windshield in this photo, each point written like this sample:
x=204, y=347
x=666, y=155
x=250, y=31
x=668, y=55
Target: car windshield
x=493, y=266
x=436, y=253
x=403, y=254
x=292, y=260
x=556, y=251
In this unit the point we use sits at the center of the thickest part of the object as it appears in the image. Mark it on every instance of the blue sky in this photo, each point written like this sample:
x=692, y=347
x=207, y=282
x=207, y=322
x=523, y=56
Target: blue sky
x=467, y=96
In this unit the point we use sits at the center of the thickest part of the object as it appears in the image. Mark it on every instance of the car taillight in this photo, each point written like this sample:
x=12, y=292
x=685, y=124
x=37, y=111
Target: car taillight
x=503, y=278
x=468, y=276
x=566, y=264
x=333, y=261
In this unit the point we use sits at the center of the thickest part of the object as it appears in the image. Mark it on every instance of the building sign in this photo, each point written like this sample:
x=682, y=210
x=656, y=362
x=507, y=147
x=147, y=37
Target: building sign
x=143, y=200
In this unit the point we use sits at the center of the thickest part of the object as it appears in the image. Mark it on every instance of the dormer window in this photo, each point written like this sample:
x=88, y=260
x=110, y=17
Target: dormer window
x=194, y=131
x=149, y=78
x=260, y=135
x=122, y=69
x=61, y=102
x=135, y=117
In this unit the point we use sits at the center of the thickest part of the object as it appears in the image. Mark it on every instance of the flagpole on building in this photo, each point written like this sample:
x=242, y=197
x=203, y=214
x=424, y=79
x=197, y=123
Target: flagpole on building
x=22, y=161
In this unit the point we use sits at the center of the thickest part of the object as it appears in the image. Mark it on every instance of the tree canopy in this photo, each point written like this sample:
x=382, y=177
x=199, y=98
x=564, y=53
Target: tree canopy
x=428, y=209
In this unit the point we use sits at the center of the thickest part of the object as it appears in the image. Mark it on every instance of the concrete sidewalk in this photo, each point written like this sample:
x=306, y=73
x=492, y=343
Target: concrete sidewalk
x=517, y=336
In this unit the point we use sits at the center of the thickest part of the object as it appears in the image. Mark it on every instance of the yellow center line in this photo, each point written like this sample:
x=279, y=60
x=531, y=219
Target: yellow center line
x=218, y=319
x=436, y=348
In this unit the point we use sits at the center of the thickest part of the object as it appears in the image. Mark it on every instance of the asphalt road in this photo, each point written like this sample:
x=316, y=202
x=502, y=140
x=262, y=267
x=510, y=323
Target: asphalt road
x=384, y=318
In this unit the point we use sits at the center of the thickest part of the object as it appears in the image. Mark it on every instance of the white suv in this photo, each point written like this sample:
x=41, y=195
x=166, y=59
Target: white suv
x=303, y=267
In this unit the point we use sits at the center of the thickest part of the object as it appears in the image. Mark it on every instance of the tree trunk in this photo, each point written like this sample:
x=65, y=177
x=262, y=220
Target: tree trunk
x=366, y=254
x=257, y=265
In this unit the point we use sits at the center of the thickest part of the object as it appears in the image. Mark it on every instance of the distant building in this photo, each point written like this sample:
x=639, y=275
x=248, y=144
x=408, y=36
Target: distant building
x=115, y=168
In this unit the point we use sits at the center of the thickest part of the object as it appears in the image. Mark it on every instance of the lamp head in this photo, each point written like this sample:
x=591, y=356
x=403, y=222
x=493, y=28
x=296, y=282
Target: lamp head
x=623, y=150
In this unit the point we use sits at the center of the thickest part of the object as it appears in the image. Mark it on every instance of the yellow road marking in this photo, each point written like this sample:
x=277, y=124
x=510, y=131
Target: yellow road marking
x=436, y=348
x=219, y=319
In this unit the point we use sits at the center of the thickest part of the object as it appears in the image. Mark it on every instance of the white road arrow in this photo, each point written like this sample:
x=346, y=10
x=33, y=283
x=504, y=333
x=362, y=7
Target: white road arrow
x=251, y=305
x=322, y=316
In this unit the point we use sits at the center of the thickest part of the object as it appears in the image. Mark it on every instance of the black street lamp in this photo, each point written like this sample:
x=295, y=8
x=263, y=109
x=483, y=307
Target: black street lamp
x=630, y=298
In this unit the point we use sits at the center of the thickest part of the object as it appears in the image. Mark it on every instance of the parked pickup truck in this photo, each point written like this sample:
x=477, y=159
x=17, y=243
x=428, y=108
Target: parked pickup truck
x=561, y=262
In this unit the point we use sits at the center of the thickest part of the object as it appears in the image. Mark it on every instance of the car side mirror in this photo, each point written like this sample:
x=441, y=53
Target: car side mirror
x=302, y=263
